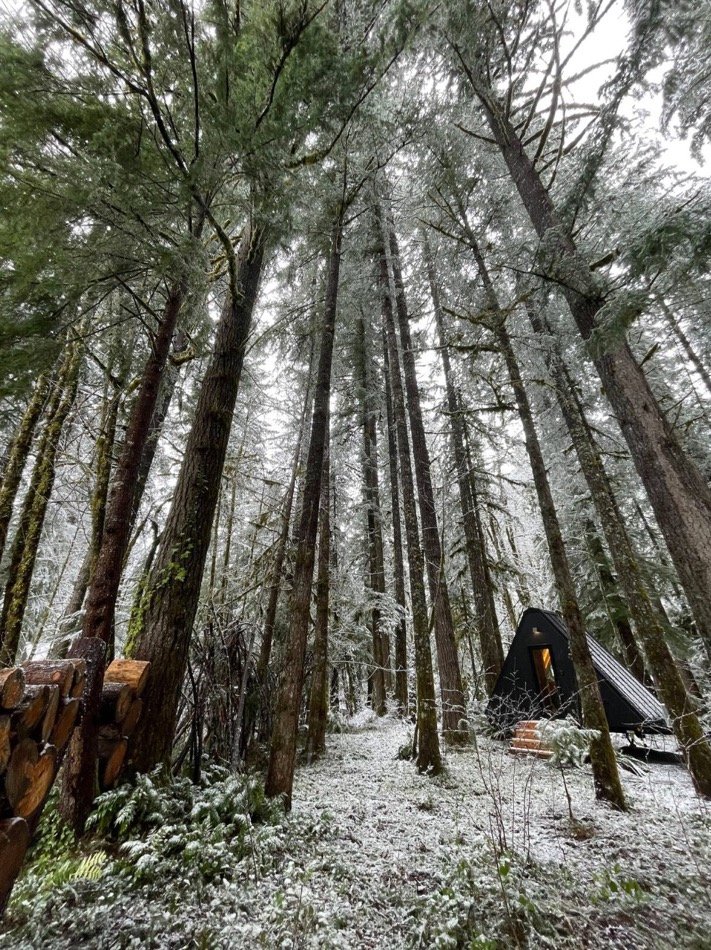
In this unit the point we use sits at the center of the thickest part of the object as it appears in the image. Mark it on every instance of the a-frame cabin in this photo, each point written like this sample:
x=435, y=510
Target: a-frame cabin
x=538, y=680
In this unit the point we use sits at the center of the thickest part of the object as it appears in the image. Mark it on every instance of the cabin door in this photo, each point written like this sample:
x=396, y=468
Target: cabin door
x=544, y=672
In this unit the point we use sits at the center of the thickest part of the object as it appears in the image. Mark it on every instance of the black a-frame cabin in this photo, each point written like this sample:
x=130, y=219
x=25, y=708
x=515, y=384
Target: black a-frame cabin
x=538, y=681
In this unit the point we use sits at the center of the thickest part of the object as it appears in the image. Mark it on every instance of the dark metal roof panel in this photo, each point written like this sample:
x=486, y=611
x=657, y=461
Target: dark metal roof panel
x=637, y=695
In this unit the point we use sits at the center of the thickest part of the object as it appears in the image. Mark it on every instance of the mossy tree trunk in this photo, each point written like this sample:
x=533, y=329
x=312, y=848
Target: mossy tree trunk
x=492, y=651
x=454, y=721
x=401, y=686
x=17, y=454
x=374, y=528
x=172, y=592
x=605, y=773
x=428, y=750
x=29, y=530
x=282, y=756
x=318, y=699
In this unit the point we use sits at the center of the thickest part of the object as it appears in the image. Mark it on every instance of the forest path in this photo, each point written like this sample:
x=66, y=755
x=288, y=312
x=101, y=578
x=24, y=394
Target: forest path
x=375, y=855
x=409, y=859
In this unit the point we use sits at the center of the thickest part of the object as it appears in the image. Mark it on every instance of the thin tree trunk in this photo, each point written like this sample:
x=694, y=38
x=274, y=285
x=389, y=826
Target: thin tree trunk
x=282, y=758
x=492, y=651
x=604, y=763
x=180, y=353
x=401, y=688
x=25, y=544
x=104, y=587
x=648, y=623
x=371, y=491
x=173, y=590
x=18, y=451
x=277, y=568
x=454, y=724
x=318, y=700
x=677, y=490
x=104, y=452
x=428, y=751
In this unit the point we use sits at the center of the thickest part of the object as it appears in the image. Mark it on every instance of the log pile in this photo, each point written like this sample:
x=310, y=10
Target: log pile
x=39, y=708
x=120, y=711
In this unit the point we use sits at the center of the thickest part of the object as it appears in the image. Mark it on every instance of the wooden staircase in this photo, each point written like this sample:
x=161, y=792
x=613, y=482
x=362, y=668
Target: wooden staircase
x=527, y=740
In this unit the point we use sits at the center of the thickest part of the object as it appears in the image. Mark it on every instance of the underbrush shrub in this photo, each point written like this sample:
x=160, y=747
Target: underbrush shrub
x=156, y=834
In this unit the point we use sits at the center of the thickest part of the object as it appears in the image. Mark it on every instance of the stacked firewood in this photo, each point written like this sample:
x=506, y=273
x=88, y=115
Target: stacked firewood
x=39, y=708
x=40, y=703
x=121, y=708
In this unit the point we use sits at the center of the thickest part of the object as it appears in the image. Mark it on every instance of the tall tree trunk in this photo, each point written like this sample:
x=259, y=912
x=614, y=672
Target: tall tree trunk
x=648, y=623
x=104, y=587
x=604, y=763
x=104, y=452
x=173, y=590
x=677, y=490
x=282, y=546
x=318, y=700
x=401, y=687
x=492, y=650
x=454, y=724
x=180, y=353
x=376, y=572
x=29, y=530
x=282, y=758
x=428, y=751
x=17, y=453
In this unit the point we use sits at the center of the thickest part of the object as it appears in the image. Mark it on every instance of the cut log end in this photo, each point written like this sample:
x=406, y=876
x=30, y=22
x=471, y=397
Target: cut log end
x=29, y=777
x=111, y=767
x=14, y=841
x=133, y=673
x=12, y=687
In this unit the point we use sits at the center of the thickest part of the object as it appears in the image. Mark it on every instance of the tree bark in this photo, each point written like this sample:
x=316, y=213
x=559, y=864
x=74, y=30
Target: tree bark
x=104, y=587
x=428, y=751
x=677, y=490
x=29, y=531
x=454, y=723
x=401, y=687
x=18, y=451
x=648, y=623
x=492, y=651
x=282, y=758
x=173, y=589
x=277, y=568
x=604, y=763
x=318, y=700
x=371, y=492
x=104, y=453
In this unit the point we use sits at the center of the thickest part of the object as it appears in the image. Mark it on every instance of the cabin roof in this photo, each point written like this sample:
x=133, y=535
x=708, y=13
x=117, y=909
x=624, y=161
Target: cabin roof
x=637, y=695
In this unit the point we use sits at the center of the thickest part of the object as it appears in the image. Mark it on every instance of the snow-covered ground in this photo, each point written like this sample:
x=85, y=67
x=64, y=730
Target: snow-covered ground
x=485, y=855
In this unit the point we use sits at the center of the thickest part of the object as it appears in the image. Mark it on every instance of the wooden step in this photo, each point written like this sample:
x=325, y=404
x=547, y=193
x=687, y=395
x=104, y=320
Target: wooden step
x=524, y=743
x=527, y=732
x=541, y=753
x=528, y=724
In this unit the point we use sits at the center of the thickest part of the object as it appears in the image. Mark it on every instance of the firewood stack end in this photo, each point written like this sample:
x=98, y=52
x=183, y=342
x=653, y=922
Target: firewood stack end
x=121, y=708
x=39, y=708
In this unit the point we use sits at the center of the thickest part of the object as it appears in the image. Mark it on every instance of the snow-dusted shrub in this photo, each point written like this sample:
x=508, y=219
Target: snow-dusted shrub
x=158, y=834
x=570, y=743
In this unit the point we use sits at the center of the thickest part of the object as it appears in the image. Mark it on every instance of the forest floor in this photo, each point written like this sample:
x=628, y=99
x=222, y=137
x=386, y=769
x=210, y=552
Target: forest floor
x=484, y=855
